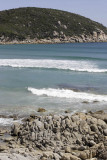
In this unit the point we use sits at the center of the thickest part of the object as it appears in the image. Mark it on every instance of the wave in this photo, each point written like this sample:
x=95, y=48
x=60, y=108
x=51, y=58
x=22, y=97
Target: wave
x=65, y=93
x=72, y=65
x=8, y=121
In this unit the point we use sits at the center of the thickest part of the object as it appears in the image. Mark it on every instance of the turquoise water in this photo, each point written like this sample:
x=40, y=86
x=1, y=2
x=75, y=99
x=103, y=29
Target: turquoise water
x=57, y=77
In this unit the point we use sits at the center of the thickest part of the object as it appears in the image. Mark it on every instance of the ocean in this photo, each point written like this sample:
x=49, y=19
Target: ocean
x=57, y=77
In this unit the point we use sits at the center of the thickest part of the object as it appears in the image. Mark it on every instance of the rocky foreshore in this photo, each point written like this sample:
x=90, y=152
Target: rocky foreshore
x=82, y=136
x=97, y=36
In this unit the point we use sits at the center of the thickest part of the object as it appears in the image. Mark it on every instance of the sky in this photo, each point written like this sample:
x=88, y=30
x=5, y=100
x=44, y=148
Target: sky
x=93, y=9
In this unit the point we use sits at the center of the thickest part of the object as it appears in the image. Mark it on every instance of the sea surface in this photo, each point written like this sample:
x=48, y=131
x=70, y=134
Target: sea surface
x=57, y=77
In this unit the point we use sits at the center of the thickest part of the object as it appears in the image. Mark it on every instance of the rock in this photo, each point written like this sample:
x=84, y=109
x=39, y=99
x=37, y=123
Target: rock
x=82, y=116
x=104, y=155
x=15, y=117
x=78, y=142
x=81, y=148
x=95, y=101
x=63, y=124
x=102, y=123
x=68, y=156
x=67, y=111
x=75, y=118
x=83, y=155
x=72, y=157
x=66, y=133
x=86, y=102
x=99, y=112
x=43, y=158
x=102, y=116
x=55, y=34
x=91, y=120
x=92, y=143
x=3, y=147
x=67, y=149
x=80, y=135
x=33, y=136
x=41, y=110
x=67, y=122
x=56, y=117
x=105, y=132
x=56, y=156
x=15, y=129
x=57, y=136
x=84, y=128
x=94, y=128
x=8, y=139
x=33, y=116
x=40, y=125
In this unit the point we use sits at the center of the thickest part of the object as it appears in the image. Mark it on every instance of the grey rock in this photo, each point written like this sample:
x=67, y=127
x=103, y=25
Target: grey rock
x=32, y=136
x=67, y=149
x=92, y=143
x=56, y=156
x=81, y=148
x=15, y=129
x=94, y=128
x=40, y=125
x=102, y=123
x=105, y=132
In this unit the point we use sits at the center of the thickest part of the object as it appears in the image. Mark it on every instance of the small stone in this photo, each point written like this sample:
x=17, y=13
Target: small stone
x=72, y=157
x=33, y=116
x=43, y=158
x=67, y=122
x=8, y=139
x=66, y=133
x=102, y=123
x=83, y=155
x=56, y=117
x=32, y=136
x=67, y=149
x=78, y=141
x=67, y=111
x=86, y=102
x=41, y=110
x=57, y=137
x=94, y=128
x=105, y=132
x=81, y=148
x=95, y=101
x=99, y=112
x=68, y=156
x=91, y=143
x=56, y=156
x=40, y=125
x=3, y=147
x=15, y=129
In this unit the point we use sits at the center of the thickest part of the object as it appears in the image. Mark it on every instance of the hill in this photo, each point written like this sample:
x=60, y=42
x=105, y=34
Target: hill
x=40, y=25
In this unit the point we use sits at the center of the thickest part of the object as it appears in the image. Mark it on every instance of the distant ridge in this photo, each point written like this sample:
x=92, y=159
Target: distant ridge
x=41, y=25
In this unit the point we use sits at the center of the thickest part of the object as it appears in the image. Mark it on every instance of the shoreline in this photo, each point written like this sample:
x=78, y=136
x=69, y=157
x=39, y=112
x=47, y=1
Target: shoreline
x=81, y=136
x=55, y=41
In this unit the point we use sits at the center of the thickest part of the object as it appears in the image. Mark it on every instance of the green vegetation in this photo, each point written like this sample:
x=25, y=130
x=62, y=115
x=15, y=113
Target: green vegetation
x=39, y=23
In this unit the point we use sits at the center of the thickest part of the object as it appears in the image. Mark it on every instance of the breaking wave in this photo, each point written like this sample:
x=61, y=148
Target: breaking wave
x=66, y=93
x=72, y=65
x=8, y=121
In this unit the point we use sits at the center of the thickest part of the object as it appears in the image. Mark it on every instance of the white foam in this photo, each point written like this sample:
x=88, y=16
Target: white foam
x=8, y=121
x=80, y=65
x=65, y=93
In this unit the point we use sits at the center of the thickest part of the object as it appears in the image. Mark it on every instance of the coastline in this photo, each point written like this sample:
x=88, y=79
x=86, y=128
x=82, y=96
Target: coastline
x=82, y=39
x=81, y=136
